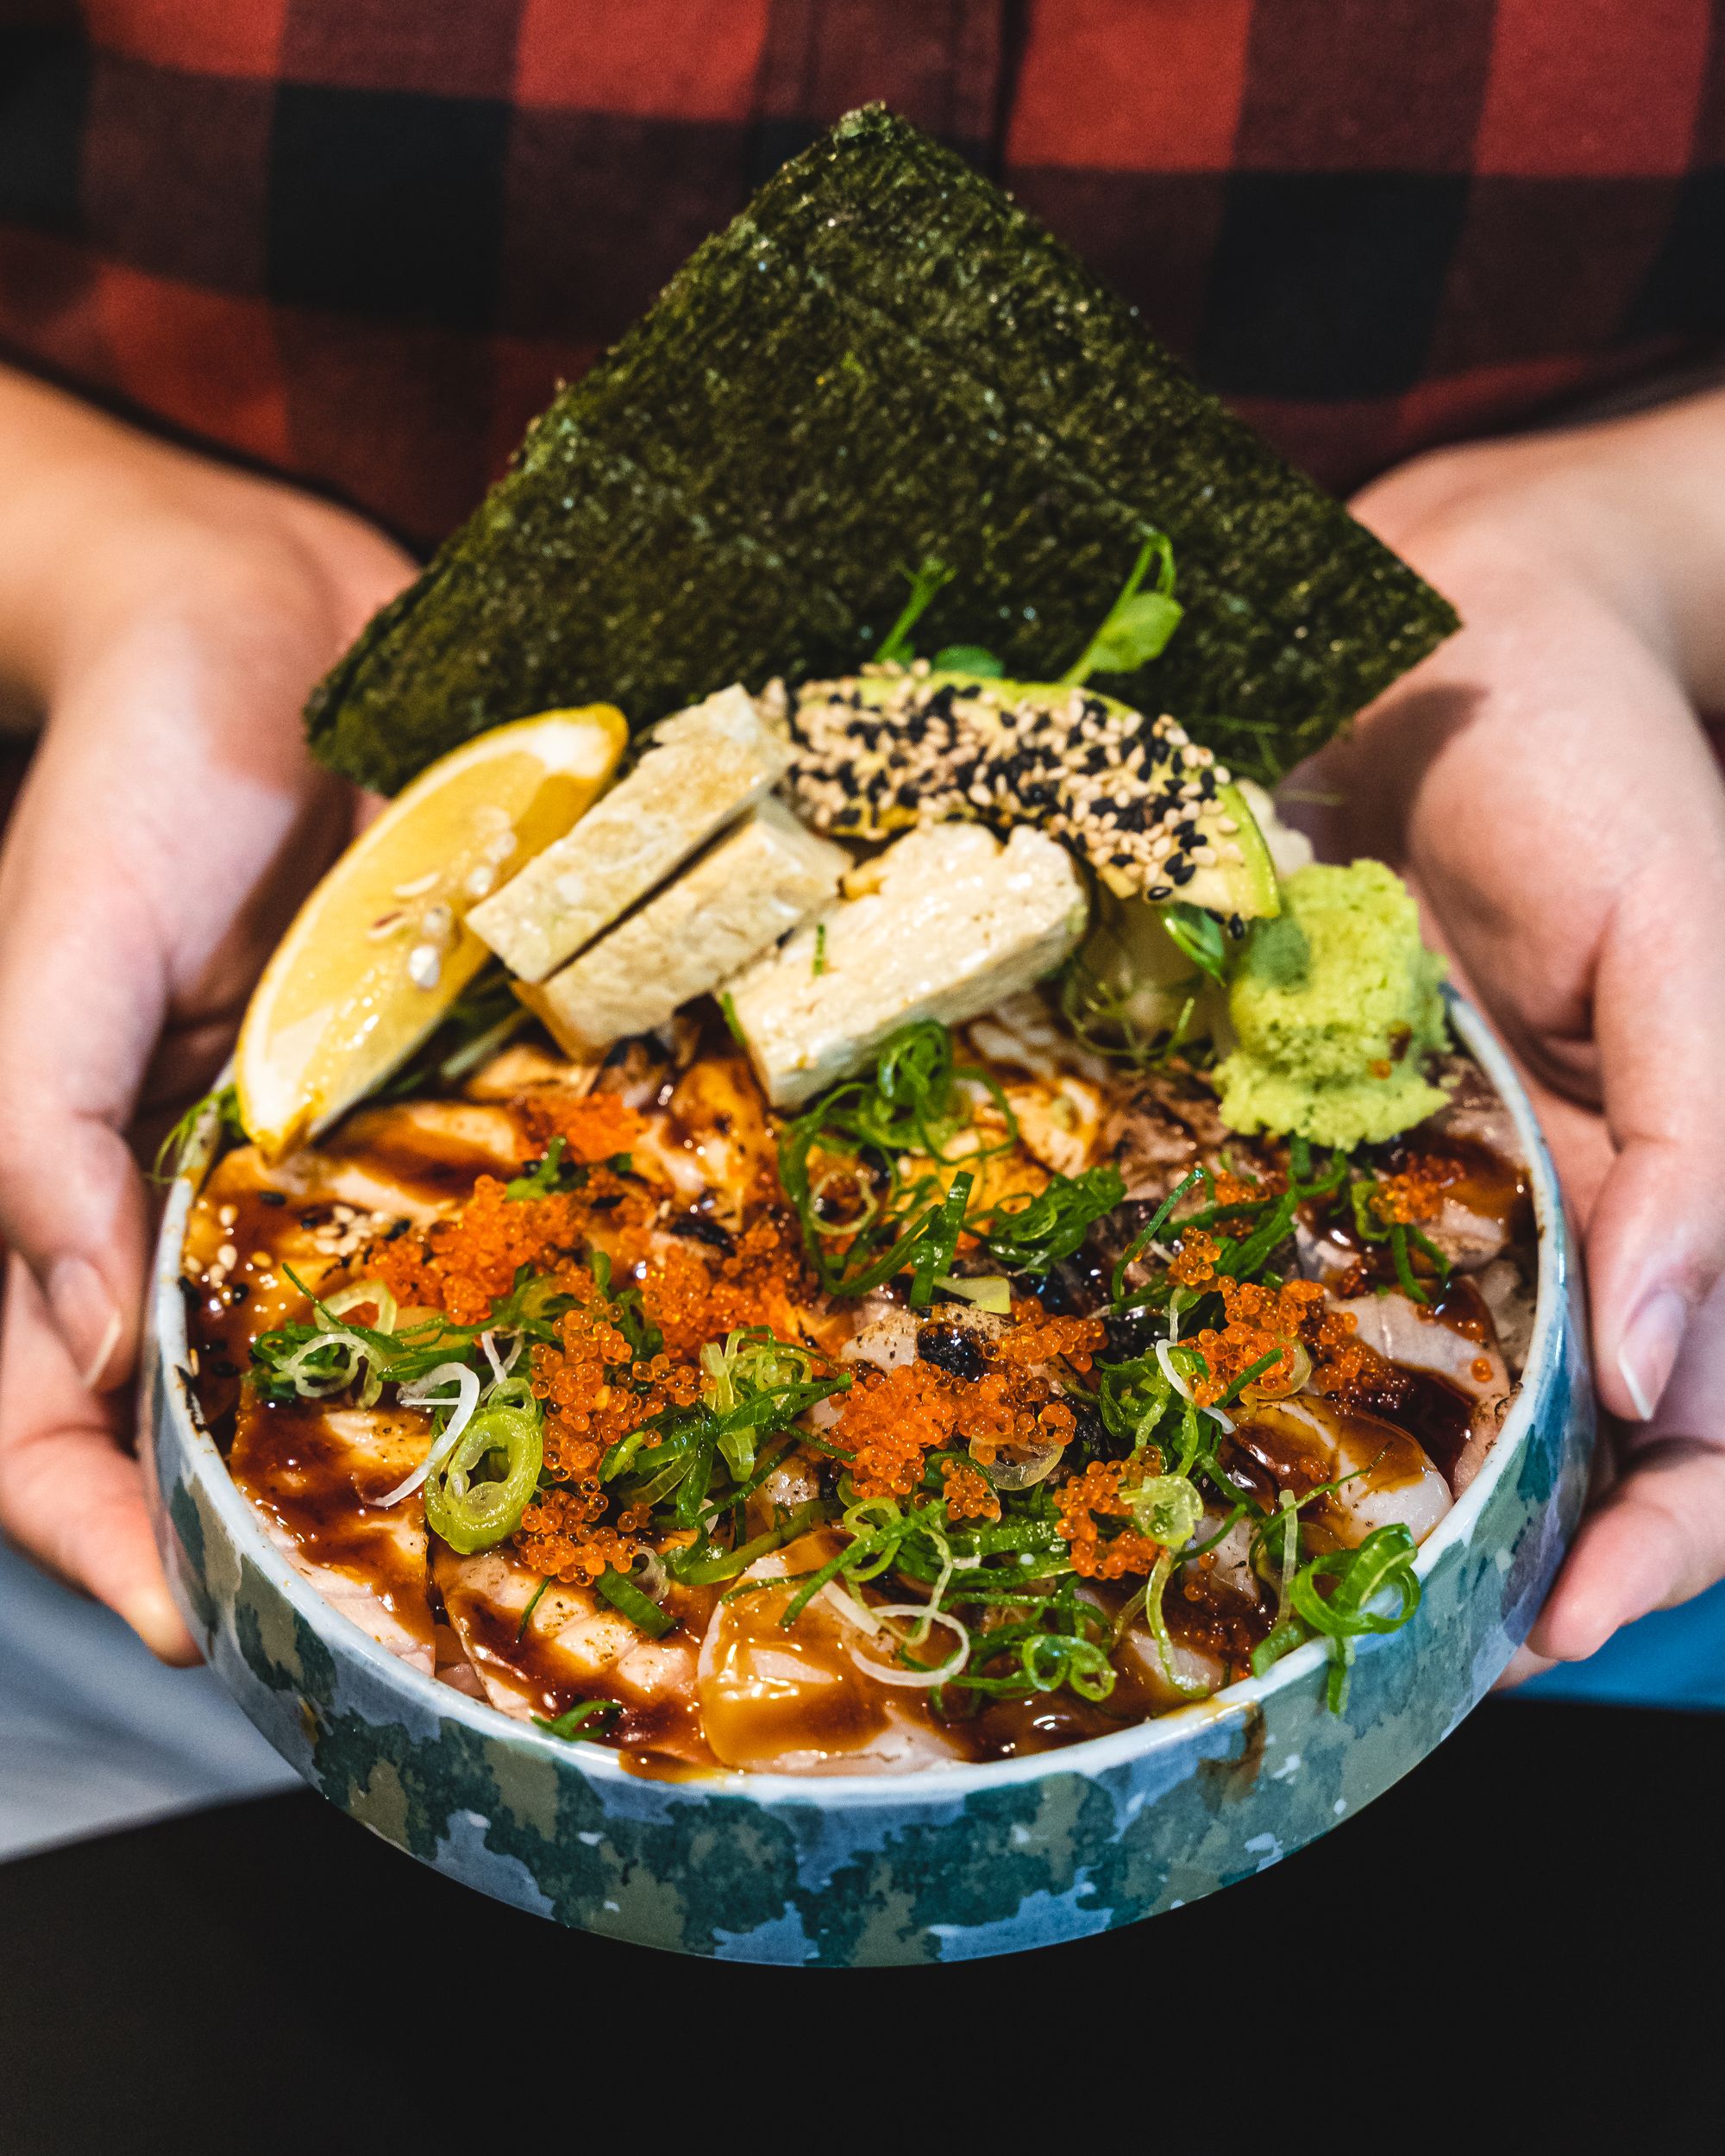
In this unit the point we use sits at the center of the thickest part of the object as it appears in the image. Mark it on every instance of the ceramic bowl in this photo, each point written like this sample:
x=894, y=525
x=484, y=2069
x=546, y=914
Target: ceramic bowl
x=939, y=1865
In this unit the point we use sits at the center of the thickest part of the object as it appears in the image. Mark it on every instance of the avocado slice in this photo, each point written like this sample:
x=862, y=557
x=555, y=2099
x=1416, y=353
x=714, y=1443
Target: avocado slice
x=872, y=753
x=1245, y=889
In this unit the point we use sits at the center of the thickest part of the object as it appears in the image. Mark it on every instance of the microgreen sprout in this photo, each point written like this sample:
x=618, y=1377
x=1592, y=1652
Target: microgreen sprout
x=1138, y=626
x=925, y=583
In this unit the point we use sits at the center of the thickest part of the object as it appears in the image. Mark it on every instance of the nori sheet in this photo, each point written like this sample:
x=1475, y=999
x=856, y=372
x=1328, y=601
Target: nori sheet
x=880, y=359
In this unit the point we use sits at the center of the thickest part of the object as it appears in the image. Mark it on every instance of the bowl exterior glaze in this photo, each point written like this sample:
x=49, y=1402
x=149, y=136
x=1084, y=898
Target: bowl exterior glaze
x=846, y=1872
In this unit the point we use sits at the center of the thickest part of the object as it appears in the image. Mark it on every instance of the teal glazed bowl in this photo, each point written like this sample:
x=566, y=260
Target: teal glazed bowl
x=929, y=1866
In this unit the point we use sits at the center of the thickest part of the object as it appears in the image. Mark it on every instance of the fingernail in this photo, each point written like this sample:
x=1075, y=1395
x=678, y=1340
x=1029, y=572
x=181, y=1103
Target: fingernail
x=1648, y=1353
x=85, y=1312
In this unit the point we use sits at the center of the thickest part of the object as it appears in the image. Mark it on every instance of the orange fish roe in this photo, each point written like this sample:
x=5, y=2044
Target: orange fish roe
x=1260, y=1318
x=1193, y=1261
x=1341, y=1363
x=463, y=1264
x=1235, y=1190
x=1036, y=1337
x=693, y=1298
x=890, y=1419
x=556, y=1540
x=967, y=1495
x=1097, y=1493
x=1233, y=1351
x=593, y=1395
x=593, y=1127
x=1260, y=1321
x=1417, y=1191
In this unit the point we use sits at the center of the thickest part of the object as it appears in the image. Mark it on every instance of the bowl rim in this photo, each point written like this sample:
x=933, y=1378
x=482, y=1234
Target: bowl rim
x=930, y=1785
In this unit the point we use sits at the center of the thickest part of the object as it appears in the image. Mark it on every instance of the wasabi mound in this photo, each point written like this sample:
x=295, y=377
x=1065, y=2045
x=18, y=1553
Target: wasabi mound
x=1334, y=1005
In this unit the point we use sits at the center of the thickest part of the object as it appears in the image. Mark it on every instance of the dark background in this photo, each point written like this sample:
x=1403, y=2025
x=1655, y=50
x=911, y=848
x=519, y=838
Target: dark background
x=1516, y=1947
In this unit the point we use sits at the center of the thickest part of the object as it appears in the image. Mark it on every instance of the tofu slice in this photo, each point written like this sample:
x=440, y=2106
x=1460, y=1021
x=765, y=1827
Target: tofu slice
x=706, y=765
x=748, y=889
x=944, y=924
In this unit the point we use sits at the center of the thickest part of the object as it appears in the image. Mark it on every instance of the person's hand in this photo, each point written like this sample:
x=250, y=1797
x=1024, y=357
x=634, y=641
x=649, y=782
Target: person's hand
x=169, y=616
x=1546, y=785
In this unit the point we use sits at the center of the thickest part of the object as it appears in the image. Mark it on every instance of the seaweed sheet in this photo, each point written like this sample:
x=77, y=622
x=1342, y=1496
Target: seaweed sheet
x=881, y=359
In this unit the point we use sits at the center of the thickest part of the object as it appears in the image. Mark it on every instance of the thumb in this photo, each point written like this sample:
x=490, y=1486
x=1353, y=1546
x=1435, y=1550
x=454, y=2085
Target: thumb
x=1656, y=1233
x=1657, y=1535
x=81, y=999
x=1658, y=1540
x=74, y=1211
x=69, y=1495
x=73, y=1208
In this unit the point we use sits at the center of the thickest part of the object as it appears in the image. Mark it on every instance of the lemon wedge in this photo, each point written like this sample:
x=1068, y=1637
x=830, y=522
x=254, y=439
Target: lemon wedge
x=381, y=949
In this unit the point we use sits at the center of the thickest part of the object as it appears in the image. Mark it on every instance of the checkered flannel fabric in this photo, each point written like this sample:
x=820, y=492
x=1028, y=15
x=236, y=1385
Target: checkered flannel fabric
x=360, y=240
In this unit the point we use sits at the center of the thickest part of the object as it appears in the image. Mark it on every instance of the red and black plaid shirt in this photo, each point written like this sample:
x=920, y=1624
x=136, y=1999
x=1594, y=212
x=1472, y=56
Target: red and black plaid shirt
x=360, y=240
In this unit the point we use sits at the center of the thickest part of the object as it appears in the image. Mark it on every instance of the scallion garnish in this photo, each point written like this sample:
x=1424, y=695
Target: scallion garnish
x=573, y=1723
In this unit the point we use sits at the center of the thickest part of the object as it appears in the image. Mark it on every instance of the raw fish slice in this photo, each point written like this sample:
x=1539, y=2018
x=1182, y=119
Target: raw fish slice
x=1404, y=1334
x=575, y=1646
x=308, y=1471
x=1309, y=1441
x=793, y=1701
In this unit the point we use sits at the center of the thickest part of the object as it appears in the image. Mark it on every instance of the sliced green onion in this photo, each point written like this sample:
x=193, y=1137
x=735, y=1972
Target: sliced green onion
x=573, y=1723
x=991, y=1292
x=625, y=1597
x=1188, y=1687
x=1404, y=1264
x=538, y=1596
x=472, y=1516
x=709, y=1571
x=1052, y=1224
x=938, y=1245
x=1151, y=1230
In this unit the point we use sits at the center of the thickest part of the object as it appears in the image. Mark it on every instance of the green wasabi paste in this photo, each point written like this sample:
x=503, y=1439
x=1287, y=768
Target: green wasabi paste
x=1335, y=1005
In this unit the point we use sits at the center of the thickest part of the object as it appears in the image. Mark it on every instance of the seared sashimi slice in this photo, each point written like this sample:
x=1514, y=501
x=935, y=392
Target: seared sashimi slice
x=314, y=1474
x=540, y=1657
x=795, y=1701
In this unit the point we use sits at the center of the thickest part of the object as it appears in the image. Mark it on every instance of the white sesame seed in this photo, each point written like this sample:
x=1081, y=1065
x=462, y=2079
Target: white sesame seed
x=424, y=965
